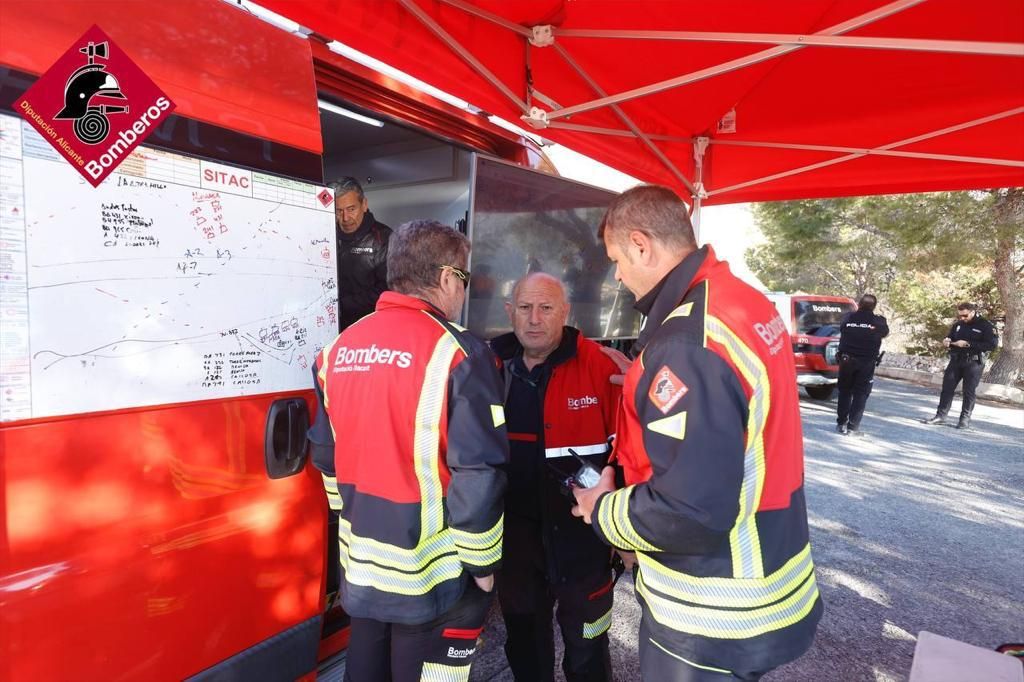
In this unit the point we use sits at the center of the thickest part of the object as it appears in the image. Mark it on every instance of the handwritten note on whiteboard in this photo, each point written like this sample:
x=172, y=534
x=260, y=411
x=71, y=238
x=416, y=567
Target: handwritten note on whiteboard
x=175, y=280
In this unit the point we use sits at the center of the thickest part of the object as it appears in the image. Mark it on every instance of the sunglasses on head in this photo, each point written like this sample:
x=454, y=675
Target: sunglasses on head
x=458, y=272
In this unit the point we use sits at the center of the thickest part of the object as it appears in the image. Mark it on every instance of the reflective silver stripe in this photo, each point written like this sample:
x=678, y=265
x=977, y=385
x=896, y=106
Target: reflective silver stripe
x=438, y=672
x=723, y=624
x=613, y=520
x=480, y=549
x=393, y=556
x=331, y=488
x=395, y=569
x=744, y=539
x=598, y=627
x=727, y=592
x=427, y=439
x=595, y=449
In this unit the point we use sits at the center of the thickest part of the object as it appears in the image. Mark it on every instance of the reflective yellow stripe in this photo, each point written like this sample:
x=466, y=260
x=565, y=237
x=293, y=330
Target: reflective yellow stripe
x=598, y=627
x=392, y=556
x=438, y=672
x=427, y=439
x=722, y=624
x=480, y=549
x=673, y=427
x=688, y=661
x=613, y=519
x=682, y=311
x=497, y=415
x=399, y=570
x=728, y=592
x=331, y=488
x=322, y=372
x=744, y=539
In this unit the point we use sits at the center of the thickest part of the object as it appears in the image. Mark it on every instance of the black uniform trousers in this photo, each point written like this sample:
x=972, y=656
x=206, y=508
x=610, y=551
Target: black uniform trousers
x=442, y=649
x=657, y=662
x=856, y=377
x=964, y=368
x=527, y=600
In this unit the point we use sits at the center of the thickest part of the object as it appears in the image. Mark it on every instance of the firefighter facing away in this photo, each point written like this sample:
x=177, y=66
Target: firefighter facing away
x=415, y=405
x=860, y=339
x=968, y=340
x=558, y=396
x=710, y=441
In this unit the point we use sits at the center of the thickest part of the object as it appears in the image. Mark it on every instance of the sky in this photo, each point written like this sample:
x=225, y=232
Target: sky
x=730, y=229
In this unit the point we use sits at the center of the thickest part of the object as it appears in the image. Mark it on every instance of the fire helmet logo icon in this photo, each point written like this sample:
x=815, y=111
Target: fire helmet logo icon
x=88, y=82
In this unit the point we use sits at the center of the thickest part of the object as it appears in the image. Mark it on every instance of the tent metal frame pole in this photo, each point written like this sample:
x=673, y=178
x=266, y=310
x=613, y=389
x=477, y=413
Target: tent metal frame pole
x=425, y=19
x=911, y=44
x=733, y=64
x=873, y=152
x=559, y=125
x=858, y=155
x=493, y=18
x=564, y=54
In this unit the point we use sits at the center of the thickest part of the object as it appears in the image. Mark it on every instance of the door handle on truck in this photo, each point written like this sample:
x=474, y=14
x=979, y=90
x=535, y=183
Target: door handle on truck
x=285, y=441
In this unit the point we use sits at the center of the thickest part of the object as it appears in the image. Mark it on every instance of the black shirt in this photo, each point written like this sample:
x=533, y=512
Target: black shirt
x=861, y=333
x=978, y=333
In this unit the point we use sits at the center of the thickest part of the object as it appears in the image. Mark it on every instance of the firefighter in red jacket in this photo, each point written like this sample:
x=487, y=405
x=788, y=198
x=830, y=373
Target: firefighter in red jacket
x=557, y=396
x=710, y=440
x=414, y=403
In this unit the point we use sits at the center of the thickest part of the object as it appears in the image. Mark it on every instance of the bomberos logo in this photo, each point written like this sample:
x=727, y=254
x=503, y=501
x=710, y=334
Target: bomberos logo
x=94, y=105
x=360, y=359
x=585, y=401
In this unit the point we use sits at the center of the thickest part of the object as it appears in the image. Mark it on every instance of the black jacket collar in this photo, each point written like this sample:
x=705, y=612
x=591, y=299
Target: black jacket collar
x=666, y=295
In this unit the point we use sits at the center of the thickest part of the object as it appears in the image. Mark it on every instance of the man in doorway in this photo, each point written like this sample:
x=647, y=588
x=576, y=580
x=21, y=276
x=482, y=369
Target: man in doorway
x=860, y=339
x=362, y=246
x=417, y=475
x=709, y=439
x=558, y=396
x=970, y=337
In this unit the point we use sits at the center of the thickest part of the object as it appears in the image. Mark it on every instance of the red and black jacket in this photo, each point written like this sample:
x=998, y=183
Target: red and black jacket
x=414, y=403
x=710, y=440
x=576, y=409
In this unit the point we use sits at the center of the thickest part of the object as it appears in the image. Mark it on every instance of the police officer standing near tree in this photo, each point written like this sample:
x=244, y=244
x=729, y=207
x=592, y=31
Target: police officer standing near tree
x=860, y=338
x=970, y=337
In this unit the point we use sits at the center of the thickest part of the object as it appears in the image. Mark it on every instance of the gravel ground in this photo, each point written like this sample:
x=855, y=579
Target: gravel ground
x=913, y=528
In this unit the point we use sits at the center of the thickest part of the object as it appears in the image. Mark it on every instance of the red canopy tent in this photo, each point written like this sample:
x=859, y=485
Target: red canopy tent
x=727, y=101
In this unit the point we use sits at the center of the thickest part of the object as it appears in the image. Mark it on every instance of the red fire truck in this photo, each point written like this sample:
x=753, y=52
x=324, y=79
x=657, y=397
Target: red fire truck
x=813, y=324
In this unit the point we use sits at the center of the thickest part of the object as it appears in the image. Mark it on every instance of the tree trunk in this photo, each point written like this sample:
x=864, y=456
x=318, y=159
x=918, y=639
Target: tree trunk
x=1009, y=366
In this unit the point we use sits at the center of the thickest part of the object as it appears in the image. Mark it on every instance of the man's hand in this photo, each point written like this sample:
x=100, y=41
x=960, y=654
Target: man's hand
x=961, y=344
x=586, y=498
x=946, y=342
x=486, y=583
x=621, y=361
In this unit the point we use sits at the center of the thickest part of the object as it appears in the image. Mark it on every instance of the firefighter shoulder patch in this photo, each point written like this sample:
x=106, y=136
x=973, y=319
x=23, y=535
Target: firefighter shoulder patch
x=666, y=389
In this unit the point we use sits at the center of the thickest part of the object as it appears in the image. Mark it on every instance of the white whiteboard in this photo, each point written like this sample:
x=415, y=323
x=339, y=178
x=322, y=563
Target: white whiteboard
x=175, y=280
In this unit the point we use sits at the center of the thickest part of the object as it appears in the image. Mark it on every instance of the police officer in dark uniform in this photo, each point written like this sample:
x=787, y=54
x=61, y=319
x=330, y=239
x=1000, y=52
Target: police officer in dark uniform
x=968, y=340
x=861, y=334
x=362, y=252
